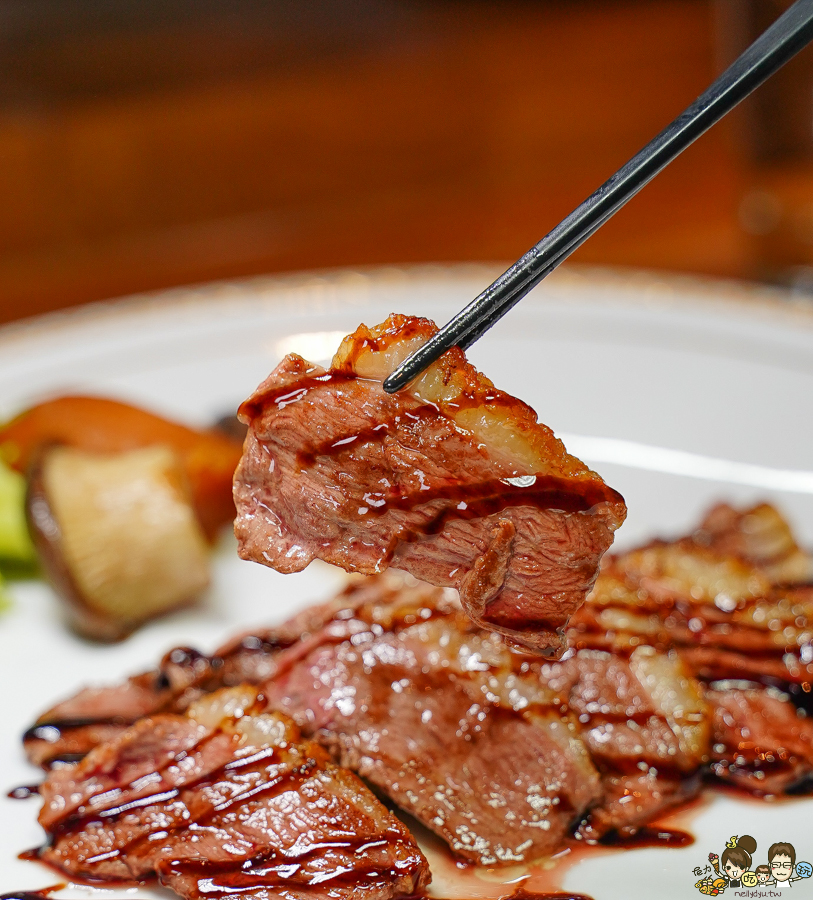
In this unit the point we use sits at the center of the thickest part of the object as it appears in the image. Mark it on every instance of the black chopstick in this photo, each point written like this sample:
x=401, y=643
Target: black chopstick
x=792, y=31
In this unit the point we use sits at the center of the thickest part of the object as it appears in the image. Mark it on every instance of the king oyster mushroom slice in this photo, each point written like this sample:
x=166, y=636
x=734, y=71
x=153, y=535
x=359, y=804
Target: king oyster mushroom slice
x=117, y=536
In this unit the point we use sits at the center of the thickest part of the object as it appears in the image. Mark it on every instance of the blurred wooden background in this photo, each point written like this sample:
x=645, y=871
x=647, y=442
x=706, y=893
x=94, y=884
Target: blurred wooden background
x=148, y=143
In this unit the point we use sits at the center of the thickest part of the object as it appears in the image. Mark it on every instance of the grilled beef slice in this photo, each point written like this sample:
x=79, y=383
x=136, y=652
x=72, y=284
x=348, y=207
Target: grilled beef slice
x=451, y=480
x=731, y=602
x=67, y=731
x=761, y=742
x=498, y=753
x=758, y=535
x=645, y=723
x=226, y=800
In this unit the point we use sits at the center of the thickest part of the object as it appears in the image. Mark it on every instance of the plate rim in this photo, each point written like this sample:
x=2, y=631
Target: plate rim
x=644, y=288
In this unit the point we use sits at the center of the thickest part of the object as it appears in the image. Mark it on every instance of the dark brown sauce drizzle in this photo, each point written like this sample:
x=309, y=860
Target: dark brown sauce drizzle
x=35, y=855
x=464, y=501
x=271, y=785
x=51, y=730
x=648, y=837
x=23, y=792
x=227, y=878
x=292, y=393
x=470, y=501
x=42, y=894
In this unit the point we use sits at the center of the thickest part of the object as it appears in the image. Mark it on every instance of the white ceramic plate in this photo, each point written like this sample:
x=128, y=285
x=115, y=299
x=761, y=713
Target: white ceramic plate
x=679, y=392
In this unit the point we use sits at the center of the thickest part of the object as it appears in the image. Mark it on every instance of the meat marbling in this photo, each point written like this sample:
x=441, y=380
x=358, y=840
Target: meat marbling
x=451, y=480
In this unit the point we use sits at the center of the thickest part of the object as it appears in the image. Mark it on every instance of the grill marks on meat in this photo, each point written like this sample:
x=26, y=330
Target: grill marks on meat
x=226, y=799
x=451, y=480
x=712, y=596
x=645, y=724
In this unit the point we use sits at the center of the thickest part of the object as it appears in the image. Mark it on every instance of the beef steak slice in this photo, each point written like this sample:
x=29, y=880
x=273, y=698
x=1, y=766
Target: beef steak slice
x=227, y=800
x=451, y=480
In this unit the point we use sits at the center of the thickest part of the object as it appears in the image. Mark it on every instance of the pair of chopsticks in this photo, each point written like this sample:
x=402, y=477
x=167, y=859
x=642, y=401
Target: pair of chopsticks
x=792, y=31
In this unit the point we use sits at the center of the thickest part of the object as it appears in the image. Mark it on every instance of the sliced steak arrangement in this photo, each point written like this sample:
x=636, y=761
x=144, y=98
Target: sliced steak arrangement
x=645, y=723
x=451, y=480
x=759, y=536
x=67, y=731
x=502, y=753
x=227, y=800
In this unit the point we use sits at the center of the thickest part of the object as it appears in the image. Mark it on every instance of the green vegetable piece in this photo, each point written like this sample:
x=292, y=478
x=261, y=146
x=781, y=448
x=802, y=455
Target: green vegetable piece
x=16, y=550
x=5, y=600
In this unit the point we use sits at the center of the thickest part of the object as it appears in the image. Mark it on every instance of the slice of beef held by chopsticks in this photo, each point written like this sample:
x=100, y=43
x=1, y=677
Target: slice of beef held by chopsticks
x=451, y=480
x=444, y=719
x=645, y=723
x=227, y=800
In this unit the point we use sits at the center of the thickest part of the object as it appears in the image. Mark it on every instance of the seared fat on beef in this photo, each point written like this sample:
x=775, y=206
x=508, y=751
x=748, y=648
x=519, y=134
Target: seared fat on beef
x=730, y=598
x=761, y=743
x=645, y=723
x=227, y=800
x=451, y=480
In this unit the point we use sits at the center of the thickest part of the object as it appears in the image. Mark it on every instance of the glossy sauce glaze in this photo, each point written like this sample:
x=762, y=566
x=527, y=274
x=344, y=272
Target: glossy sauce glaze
x=267, y=871
x=51, y=730
x=462, y=501
x=42, y=894
x=648, y=836
x=270, y=771
x=291, y=393
x=472, y=500
x=35, y=855
x=278, y=781
x=23, y=792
